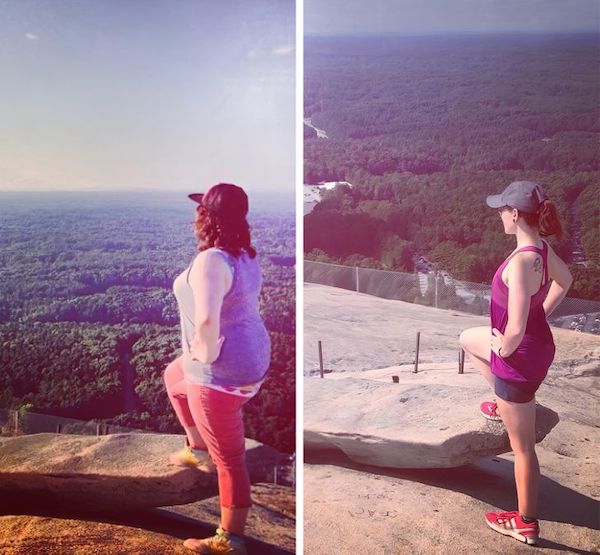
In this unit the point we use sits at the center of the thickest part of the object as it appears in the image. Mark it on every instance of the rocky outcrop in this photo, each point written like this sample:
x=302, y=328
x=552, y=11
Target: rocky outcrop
x=404, y=425
x=112, y=472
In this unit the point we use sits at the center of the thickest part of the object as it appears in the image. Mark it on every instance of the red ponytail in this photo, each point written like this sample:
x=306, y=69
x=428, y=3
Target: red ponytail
x=545, y=219
x=549, y=223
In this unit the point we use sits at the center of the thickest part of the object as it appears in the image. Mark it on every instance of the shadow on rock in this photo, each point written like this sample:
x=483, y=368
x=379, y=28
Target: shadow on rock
x=489, y=480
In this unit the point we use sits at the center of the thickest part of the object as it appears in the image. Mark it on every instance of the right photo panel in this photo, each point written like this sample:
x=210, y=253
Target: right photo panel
x=451, y=276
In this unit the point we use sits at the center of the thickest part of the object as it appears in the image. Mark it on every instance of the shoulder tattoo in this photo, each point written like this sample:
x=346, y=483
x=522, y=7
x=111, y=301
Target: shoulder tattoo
x=537, y=265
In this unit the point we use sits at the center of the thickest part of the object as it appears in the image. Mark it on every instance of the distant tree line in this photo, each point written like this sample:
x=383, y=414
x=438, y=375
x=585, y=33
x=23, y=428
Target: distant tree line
x=384, y=222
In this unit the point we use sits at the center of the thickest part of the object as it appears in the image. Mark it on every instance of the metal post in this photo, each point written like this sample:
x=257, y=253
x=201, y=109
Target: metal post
x=58, y=428
x=275, y=475
x=436, y=289
x=16, y=422
x=321, y=359
x=461, y=362
x=357, y=282
x=97, y=429
x=417, y=355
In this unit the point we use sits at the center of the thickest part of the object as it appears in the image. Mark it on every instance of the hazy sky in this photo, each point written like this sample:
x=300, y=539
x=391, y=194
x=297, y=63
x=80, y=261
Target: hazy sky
x=103, y=94
x=334, y=17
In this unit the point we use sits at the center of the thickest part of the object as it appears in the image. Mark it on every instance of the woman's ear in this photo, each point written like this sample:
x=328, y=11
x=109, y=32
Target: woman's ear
x=515, y=215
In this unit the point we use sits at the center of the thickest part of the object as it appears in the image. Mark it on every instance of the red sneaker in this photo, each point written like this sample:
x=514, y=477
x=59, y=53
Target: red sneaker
x=511, y=524
x=489, y=409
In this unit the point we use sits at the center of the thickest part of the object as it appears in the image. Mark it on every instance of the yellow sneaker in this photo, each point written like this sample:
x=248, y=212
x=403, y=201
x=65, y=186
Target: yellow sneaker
x=191, y=457
x=221, y=542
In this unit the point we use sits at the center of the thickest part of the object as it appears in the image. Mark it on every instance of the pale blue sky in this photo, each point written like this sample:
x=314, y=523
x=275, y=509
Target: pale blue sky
x=347, y=17
x=124, y=94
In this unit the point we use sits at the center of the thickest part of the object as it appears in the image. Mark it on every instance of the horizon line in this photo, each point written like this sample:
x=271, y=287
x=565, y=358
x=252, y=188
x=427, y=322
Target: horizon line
x=136, y=190
x=451, y=33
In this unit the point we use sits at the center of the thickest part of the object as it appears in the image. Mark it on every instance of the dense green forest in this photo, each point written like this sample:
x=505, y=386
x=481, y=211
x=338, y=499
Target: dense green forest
x=425, y=127
x=88, y=320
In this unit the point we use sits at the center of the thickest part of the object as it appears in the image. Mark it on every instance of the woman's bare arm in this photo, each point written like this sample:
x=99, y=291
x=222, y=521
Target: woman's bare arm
x=561, y=278
x=207, y=279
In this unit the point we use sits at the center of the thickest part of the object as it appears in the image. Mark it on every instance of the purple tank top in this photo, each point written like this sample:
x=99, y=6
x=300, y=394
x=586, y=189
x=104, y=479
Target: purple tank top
x=532, y=358
x=246, y=352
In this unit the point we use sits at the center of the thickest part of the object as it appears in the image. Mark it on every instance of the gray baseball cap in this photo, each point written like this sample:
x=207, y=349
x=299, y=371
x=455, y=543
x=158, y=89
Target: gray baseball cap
x=522, y=195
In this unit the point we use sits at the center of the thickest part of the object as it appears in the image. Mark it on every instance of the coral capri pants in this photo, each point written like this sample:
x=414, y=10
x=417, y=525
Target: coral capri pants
x=218, y=417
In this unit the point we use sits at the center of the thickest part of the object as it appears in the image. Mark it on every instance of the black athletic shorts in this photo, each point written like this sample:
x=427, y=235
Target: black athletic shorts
x=515, y=392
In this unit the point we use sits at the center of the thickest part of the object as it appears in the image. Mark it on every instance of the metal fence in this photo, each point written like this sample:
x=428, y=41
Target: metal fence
x=439, y=290
x=23, y=422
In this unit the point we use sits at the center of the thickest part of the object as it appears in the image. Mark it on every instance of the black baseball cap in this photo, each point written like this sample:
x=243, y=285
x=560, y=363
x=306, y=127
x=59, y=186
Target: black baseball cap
x=526, y=196
x=224, y=199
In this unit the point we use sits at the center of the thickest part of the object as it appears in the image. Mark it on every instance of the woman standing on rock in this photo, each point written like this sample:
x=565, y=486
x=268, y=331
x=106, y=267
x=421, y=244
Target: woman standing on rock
x=226, y=354
x=516, y=355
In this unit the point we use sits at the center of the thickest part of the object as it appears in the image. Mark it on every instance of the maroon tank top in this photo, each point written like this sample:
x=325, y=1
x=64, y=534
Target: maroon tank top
x=534, y=355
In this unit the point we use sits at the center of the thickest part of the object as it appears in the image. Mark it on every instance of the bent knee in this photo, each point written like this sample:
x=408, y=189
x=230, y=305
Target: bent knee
x=476, y=341
x=465, y=338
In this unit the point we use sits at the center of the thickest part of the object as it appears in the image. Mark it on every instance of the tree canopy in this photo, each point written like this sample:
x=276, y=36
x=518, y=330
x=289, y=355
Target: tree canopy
x=89, y=322
x=424, y=128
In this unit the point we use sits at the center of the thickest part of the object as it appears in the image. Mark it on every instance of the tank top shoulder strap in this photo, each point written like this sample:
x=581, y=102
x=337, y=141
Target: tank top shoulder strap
x=229, y=260
x=545, y=277
x=528, y=248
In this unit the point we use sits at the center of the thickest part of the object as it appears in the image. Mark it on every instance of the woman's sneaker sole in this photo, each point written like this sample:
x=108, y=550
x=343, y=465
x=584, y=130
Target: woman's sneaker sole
x=489, y=410
x=529, y=540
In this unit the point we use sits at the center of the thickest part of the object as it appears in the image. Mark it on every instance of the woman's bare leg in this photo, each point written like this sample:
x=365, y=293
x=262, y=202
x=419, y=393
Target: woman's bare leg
x=476, y=343
x=234, y=520
x=194, y=438
x=519, y=419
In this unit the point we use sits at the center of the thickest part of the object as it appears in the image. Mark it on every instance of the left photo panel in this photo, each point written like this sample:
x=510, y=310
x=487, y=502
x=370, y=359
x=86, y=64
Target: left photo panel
x=147, y=277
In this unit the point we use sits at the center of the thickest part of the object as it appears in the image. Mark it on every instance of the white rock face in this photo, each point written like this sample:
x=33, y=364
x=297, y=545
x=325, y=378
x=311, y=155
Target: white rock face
x=366, y=509
x=404, y=425
x=116, y=471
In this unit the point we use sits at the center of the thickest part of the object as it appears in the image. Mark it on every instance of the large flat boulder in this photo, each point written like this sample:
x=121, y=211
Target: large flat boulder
x=112, y=472
x=404, y=425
